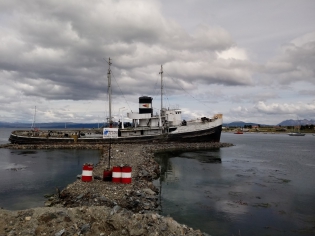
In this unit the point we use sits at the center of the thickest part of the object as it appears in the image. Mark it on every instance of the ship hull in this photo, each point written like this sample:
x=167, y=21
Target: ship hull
x=207, y=135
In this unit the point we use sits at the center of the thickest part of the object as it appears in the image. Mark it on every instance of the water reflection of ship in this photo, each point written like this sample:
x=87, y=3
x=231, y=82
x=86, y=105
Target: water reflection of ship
x=170, y=174
x=167, y=171
x=204, y=156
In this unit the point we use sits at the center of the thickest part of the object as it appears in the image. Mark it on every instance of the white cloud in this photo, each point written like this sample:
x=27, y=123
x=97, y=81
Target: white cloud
x=275, y=108
x=233, y=53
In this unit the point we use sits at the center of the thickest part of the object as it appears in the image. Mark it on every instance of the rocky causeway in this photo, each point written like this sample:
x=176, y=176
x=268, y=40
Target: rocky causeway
x=103, y=207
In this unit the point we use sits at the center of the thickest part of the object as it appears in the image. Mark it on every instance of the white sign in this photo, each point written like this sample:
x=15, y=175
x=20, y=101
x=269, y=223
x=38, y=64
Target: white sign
x=110, y=132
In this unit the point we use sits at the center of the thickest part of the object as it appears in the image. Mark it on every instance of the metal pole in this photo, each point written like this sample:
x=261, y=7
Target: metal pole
x=110, y=144
x=109, y=94
x=161, y=73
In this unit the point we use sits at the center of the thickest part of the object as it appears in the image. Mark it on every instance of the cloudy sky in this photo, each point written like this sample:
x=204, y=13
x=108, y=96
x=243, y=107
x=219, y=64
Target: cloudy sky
x=252, y=61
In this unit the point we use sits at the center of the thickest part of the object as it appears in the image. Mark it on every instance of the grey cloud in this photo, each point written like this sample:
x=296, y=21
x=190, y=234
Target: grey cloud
x=253, y=97
x=54, y=51
x=306, y=92
x=62, y=46
x=296, y=61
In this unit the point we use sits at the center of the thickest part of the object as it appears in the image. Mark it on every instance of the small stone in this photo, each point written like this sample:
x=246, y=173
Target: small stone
x=60, y=232
x=85, y=228
x=115, y=210
x=80, y=196
x=103, y=199
x=48, y=204
x=28, y=218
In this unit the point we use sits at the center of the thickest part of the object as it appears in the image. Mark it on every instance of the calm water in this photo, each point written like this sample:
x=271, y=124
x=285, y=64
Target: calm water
x=27, y=175
x=265, y=185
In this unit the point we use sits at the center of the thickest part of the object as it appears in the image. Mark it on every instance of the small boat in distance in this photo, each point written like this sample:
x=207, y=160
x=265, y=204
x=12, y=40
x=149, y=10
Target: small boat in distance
x=297, y=133
x=239, y=132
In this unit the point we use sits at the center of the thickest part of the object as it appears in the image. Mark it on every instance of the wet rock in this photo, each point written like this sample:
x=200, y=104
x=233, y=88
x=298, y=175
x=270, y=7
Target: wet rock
x=148, y=191
x=48, y=195
x=49, y=204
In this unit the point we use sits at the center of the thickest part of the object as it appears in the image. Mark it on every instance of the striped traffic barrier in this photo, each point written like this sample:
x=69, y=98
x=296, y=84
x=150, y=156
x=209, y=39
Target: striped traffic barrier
x=126, y=174
x=87, y=173
x=116, y=175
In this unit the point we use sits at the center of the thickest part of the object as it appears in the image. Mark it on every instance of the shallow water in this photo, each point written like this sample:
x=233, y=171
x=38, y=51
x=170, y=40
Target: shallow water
x=265, y=185
x=27, y=175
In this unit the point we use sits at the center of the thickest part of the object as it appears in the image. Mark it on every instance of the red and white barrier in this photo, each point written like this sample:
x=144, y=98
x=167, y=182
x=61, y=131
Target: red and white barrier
x=116, y=174
x=87, y=173
x=126, y=175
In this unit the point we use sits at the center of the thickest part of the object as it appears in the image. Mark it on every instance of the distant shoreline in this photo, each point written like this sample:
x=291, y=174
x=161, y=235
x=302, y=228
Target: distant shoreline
x=268, y=132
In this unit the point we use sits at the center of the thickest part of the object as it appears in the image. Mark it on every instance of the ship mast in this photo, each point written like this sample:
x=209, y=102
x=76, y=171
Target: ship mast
x=161, y=73
x=109, y=94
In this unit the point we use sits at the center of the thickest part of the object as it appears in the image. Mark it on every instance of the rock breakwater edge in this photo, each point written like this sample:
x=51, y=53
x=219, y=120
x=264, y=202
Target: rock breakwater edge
x=102, y=207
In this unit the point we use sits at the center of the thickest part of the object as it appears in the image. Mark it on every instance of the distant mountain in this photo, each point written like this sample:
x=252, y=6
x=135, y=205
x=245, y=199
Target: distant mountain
x=297, y=122
x=283, y=123
x=242, y=124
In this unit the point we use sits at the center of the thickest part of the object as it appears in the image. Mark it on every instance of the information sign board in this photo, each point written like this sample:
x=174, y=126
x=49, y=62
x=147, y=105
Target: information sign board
x=110, y=132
